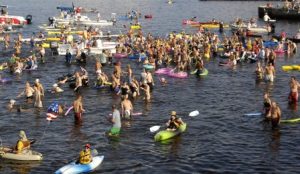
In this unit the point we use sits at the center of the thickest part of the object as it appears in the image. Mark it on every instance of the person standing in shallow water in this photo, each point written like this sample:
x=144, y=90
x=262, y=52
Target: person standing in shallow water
x=294, y=85
x=127, y=108
x=267, y=107
x=78, y=109
x=39, y=93
x=275, y=115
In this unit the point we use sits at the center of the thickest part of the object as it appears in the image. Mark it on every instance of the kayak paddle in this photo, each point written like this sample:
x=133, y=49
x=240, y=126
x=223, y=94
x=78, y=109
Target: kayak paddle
x=156, y=128
x=253, y=114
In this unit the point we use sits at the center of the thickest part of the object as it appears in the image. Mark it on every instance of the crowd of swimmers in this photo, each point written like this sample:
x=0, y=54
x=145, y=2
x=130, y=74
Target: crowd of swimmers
x=183, y=52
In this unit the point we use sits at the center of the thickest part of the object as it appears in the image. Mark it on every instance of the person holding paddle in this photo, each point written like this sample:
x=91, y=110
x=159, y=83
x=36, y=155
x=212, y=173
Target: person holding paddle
x=23, y=144
x=174, y=123
x=85, y=156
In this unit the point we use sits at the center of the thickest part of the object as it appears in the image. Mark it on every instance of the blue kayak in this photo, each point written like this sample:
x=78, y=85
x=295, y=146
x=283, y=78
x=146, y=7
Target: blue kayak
x=137, y=56
x=74, y=168
x=270, y=44
x=148, y=67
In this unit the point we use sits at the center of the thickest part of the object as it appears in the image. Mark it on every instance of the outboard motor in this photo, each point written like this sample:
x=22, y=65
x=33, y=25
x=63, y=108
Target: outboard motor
x=29, y=19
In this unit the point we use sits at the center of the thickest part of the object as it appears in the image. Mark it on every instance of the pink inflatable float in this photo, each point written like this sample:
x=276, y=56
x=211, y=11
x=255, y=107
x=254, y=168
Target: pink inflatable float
x=120, y=55
x=178, y=74
x=163, y=71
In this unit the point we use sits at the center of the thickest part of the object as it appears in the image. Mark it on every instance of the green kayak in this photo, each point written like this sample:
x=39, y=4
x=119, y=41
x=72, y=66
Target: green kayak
x=204, y=72
x=165, y=134
x=293, y=120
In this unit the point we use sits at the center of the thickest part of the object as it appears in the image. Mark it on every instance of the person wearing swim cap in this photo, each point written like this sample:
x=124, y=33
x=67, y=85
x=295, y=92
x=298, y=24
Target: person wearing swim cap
x=85, y=156
x=23, y=144
x=174, y=122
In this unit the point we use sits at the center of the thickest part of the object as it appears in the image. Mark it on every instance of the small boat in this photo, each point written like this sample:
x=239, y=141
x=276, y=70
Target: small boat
x=94, y=23
x=135, y=27
x=14, y=21
x=278, y=12
x=258, y=30
x=7, y=153
x=190, y=22
x=210, y=25
x=74, y=168
x=237, y=27
x=166, y=134
x=69, y=19
x=148, y=16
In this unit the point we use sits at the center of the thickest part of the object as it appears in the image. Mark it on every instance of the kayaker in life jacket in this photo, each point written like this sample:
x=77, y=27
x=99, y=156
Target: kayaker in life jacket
x=23, y=143
x=85, y=156
x=174, y=123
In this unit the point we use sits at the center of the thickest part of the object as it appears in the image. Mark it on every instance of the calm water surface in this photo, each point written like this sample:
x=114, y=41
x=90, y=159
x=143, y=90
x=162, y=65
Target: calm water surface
x=219, y=140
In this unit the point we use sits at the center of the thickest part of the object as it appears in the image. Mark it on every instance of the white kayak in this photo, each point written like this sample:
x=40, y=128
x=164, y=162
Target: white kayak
x=7, y=153
x=35, y=39
x=74, y=168
x=258, y=29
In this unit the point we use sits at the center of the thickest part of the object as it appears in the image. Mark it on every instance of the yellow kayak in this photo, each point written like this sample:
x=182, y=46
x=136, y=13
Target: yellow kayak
x=181, y=35
x=50, y=39
x=296, y=67
x=135, y=27
x=210, y=25
x=46, y=45
x=287, y=68
x=66, y=32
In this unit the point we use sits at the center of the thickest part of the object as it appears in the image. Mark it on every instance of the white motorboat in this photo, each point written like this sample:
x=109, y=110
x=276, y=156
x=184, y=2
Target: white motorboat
x=94, y=22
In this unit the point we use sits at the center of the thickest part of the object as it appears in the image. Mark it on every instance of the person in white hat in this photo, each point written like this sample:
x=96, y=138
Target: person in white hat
x=174, y=122
x=56, y=89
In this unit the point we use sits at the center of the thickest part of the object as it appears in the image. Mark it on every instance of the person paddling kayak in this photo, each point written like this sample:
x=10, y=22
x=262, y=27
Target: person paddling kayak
x=174, y=123
x=23, y=144
x=85, y=156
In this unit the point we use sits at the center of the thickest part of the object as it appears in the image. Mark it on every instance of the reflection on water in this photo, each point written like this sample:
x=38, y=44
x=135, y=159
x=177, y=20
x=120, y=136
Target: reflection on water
x=171, y=146
x=19, y=167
